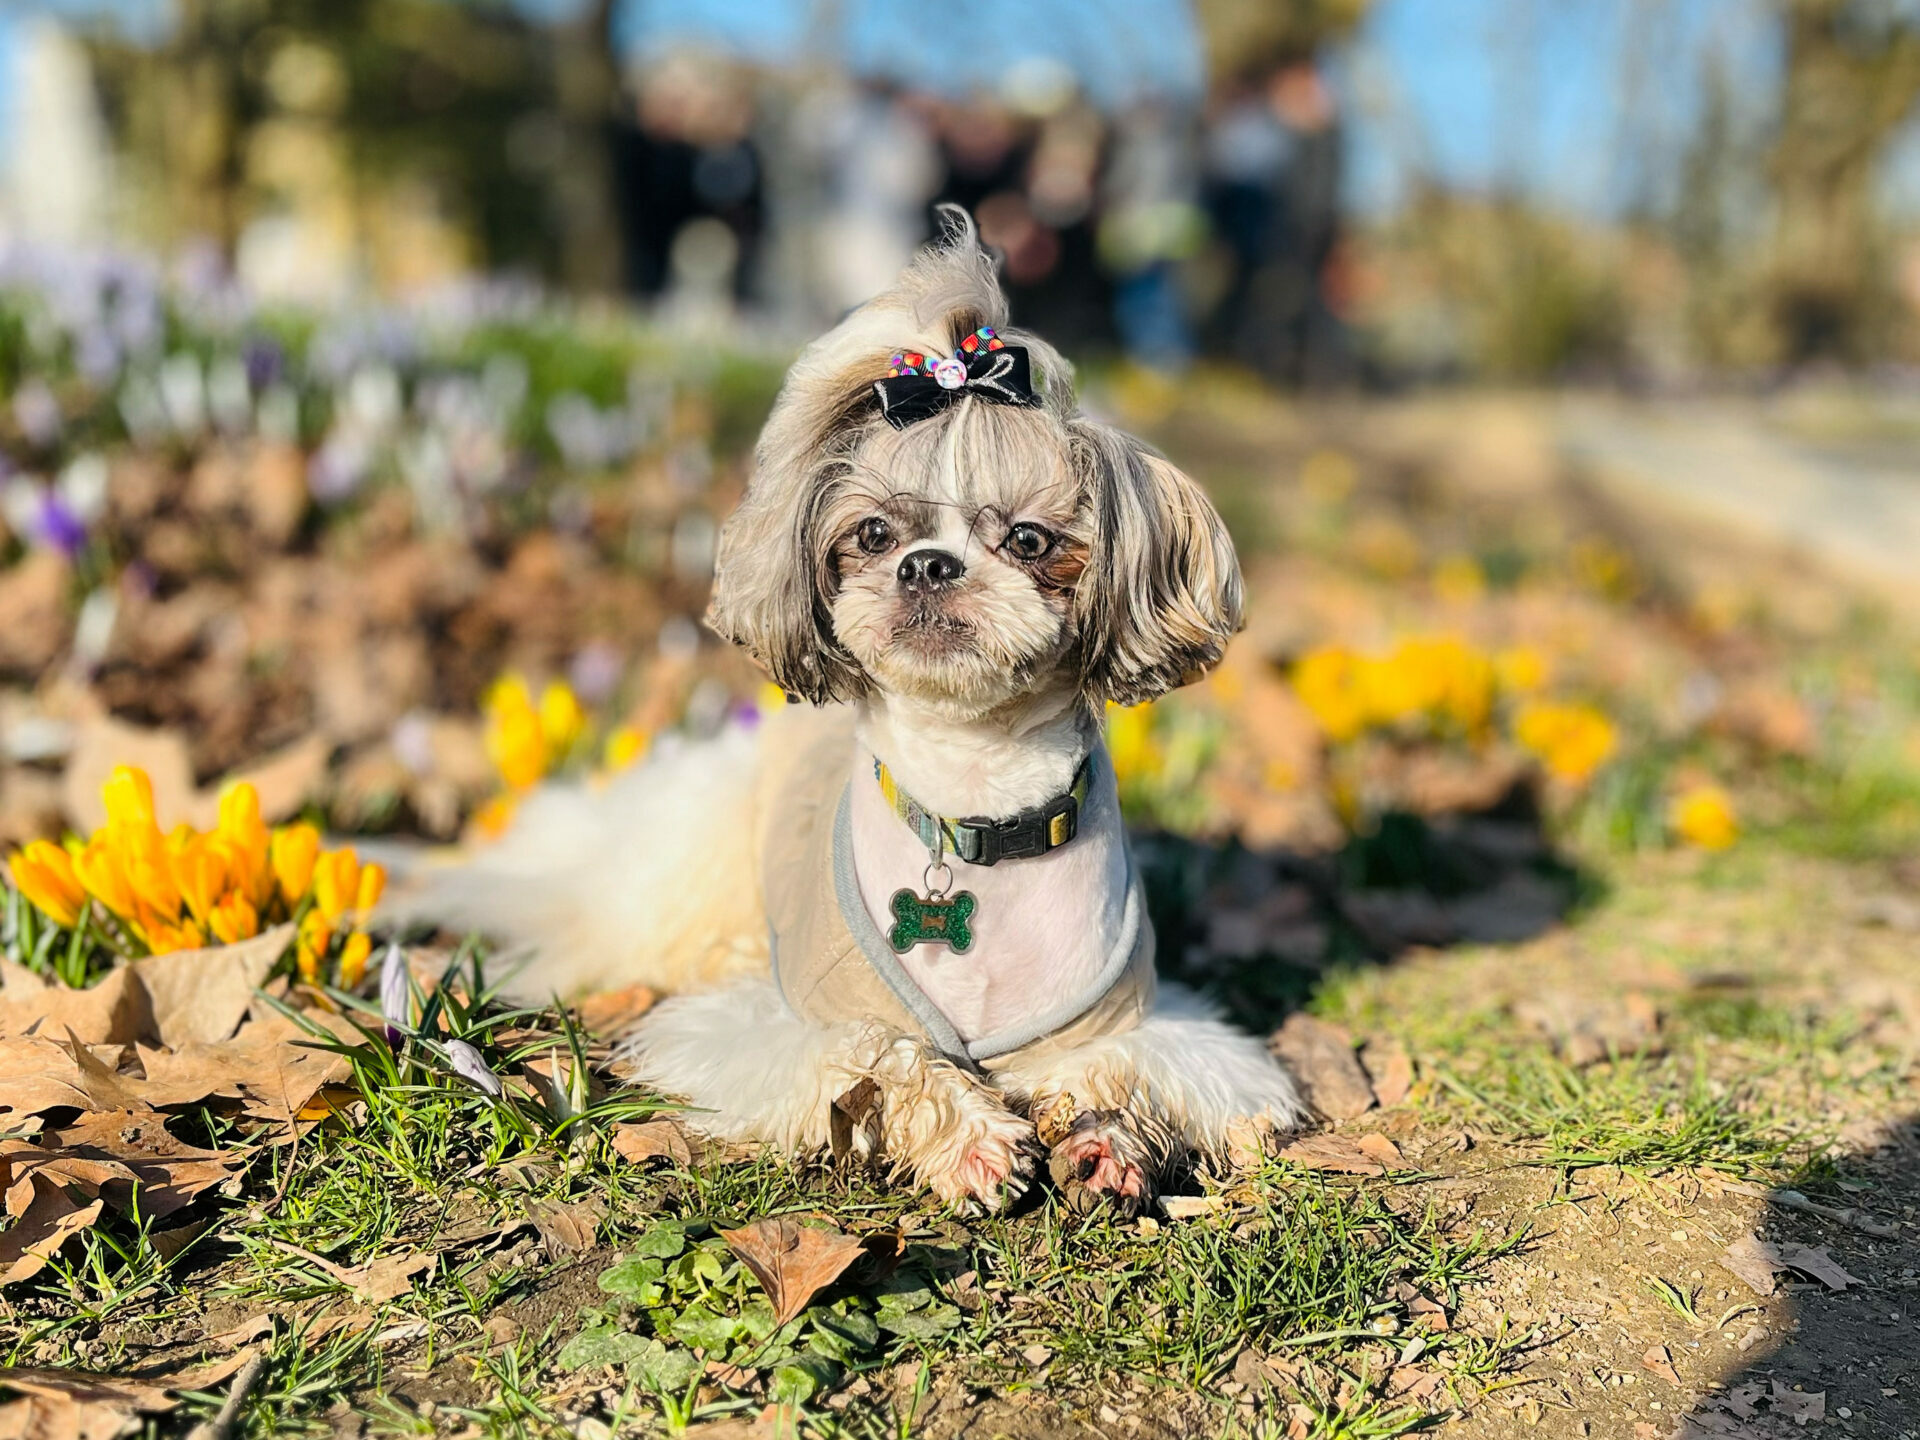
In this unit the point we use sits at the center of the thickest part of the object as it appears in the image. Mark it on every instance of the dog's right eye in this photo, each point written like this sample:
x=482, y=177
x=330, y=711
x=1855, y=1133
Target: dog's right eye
x=875, y=535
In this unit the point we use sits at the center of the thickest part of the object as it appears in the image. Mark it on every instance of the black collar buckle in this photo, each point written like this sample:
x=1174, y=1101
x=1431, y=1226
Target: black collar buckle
x=1034, y=832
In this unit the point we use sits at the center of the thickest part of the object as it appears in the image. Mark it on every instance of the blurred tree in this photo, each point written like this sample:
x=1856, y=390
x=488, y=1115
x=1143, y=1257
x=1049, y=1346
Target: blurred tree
x=591, y=101
x=1248, y=39
x=418, y=134
x=1851, y=76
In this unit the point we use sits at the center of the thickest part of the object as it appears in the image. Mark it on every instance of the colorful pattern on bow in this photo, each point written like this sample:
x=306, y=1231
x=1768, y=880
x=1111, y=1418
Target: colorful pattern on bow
x=917, y=386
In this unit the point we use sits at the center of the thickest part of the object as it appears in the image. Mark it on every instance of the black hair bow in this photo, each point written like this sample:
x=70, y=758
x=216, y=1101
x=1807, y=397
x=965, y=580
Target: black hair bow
x=921, y=387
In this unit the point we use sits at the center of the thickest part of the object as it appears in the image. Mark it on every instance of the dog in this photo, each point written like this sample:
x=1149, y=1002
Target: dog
x=899, y=916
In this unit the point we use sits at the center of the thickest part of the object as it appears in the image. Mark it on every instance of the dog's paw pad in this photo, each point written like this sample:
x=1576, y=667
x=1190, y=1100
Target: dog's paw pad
x=993, y=1170
x=1100, y=1161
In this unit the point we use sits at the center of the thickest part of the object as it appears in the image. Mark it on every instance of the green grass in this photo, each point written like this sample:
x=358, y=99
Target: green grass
x=1308, y=1258
x=1644, y=1116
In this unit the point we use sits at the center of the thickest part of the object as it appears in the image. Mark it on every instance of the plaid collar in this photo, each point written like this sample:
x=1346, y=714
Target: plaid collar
x=980, y=841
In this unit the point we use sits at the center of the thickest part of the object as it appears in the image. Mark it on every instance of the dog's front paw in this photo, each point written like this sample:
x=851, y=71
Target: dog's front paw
x=992, y=1163
x=1102, y=1160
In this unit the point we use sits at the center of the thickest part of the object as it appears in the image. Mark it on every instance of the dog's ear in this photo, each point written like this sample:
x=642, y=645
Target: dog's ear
x=771, y=575
x=1161, y=594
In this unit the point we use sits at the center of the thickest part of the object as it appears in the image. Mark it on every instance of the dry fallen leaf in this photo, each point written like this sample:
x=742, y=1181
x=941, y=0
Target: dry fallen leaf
x=171, y=1172
x=385, y=1278
x=1390, y=1069
x=1798, y=1405
x=58, y=1187
x=1814, y=1261
x=652, y=1140
x=792, y=1262
x=1659, y=1361
x=1754, y=1261
x=1321, y=1058
x=1378, y=1147
x=73, y=1405
x=201, y=996
x=1192, y=1207
x=1411, y=1382
x=40, y=1073
x=189, y=995
x=564, y=1226
x=116, y=1011
x=45, y=1218
x=269, y=1067
x=610, y=1013
x=1333, y=1152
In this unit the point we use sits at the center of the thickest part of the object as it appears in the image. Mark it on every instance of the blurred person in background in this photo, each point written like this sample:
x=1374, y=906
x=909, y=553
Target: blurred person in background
x=881, y=168
x=1271, y=158
x=690, y=181
x=1151, y=224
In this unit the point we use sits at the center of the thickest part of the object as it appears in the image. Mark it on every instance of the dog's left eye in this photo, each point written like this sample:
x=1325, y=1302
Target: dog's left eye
x=1027, y=542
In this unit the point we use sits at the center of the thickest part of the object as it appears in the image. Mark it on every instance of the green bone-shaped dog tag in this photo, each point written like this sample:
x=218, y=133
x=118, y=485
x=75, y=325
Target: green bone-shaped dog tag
x=937, y=920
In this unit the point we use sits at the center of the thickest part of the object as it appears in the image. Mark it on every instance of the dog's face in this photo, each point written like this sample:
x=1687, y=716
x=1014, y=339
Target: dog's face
x=951, y=554
x=986, y=552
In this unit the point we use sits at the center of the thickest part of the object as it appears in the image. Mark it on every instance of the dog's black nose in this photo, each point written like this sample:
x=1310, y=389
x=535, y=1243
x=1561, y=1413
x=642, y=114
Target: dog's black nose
x=930, y=569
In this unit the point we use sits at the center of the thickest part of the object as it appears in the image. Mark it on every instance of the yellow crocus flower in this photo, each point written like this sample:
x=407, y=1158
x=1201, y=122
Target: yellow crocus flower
x=1130, y=743
x=492, y=819
x=624, y=746
x=163, y=939
x=98, y=867
x=245, y=834
x=372, y=884
x=1572, y=741
x=202, y=873
x=129, y=797
x=353, y=958
x=515, y=738
x=336, y=883
x=234, y=919
x=315, y=936
x=1328, y=682
x=1520, y=669
x=293, y=850
x=1703, y=816
x=149, y=871
x=561, y=720
x=44, y=874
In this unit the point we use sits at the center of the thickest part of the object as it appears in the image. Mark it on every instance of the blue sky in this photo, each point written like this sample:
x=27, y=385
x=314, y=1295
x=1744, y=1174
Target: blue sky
x=1518, y=94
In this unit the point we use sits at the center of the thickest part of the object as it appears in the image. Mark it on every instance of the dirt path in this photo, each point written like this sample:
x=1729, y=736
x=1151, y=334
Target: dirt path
x=1842, y=498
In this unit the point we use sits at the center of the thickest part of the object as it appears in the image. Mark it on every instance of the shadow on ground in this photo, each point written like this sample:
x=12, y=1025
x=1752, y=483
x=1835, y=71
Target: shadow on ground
x=1259, y=928
x=1835, y=1361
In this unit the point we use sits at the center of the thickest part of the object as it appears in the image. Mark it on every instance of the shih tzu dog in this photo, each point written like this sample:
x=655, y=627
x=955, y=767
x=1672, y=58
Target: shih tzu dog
x=901, y=918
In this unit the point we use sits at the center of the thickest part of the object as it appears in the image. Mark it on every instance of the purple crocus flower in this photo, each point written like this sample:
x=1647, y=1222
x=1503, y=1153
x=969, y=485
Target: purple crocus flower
x=265, y=361
x=396, y=994
x=337, y=468
x=595, y=671
x=58, y=528
x=469, y=1065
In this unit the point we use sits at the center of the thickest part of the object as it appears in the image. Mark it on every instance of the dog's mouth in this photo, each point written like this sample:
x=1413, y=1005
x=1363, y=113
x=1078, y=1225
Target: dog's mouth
x=933, y=631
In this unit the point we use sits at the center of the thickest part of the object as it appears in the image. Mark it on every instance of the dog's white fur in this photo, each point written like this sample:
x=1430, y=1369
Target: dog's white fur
x=982, y=699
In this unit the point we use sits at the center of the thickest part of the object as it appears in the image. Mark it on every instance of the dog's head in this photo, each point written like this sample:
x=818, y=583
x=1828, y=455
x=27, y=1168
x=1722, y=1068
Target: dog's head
x=984, y=552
